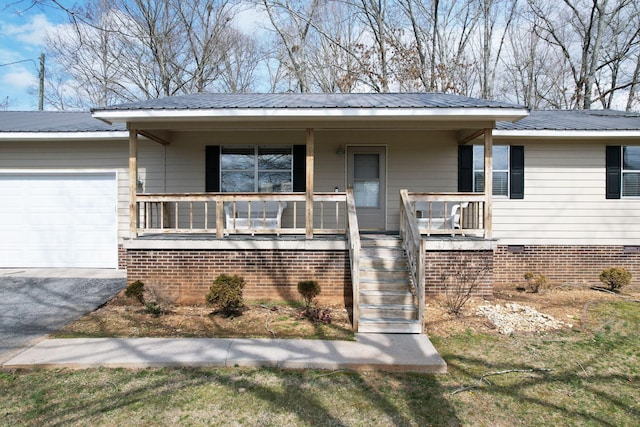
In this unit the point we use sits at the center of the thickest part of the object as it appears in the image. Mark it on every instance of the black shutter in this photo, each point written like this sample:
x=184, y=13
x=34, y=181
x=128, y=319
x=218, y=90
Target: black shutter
x=299, y=168
x=465, y=168
x=212, y=169
x=614, y=171
x=516, y=172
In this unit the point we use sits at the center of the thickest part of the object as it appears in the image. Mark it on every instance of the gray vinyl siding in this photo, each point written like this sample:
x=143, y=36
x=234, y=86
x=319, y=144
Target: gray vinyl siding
x=564, y=200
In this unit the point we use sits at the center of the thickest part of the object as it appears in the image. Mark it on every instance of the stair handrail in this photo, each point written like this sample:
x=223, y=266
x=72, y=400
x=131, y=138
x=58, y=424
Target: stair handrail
x=414, y=247
x=353, y=236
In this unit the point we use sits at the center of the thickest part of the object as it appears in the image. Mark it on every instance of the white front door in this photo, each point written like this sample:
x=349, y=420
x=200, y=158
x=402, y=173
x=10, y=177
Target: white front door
x=366, y=174
x=57, y=219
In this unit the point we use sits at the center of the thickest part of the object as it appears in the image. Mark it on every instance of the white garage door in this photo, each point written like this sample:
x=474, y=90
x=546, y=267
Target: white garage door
x=58, y=220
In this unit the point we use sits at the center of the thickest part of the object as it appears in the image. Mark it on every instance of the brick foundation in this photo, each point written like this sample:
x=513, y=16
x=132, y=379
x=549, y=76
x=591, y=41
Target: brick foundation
x=122, y=258
x=563, y=264
x=451, y=267
x=184, y=276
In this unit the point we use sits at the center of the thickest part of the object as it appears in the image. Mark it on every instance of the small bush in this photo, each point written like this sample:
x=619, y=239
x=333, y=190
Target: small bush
x=536, y=281
x=153, y=308
x=461, y=283
x=309, y=289
x=615, y=278
x=317, y=315
x=226, y=294
x=135, y=290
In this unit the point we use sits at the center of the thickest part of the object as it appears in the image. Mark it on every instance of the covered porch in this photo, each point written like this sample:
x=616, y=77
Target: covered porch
x=354, y=169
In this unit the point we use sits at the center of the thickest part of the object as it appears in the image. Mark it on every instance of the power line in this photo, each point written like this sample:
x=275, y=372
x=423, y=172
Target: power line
x=19, y=62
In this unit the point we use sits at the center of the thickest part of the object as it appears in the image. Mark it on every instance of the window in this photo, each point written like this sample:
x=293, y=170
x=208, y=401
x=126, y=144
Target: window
x=631, y=171
x=255, y=168
x=622, y=171
x=263, y=169
x=508, y=170
x=500, y=169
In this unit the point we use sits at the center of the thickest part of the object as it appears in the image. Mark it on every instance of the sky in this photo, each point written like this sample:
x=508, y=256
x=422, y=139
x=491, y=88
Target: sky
x=22, y=40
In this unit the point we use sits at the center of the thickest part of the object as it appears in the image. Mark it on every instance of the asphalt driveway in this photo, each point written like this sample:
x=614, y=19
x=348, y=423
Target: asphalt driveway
x=36, y=302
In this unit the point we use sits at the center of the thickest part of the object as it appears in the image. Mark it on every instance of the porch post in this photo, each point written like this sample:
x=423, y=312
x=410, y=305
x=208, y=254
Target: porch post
x=488, y=182
x=309, y=185
x=133, y=182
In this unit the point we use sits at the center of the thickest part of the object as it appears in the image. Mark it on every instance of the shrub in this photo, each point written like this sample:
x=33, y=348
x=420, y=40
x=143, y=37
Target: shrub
x=135, y=290
x=226, y=294
x=153, y=308
x=536, y=281
x=615, y=278
x=309, y=289
x=463, y=280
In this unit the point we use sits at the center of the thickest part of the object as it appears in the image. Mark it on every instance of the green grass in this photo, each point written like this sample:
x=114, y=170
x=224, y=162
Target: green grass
x=594, y=380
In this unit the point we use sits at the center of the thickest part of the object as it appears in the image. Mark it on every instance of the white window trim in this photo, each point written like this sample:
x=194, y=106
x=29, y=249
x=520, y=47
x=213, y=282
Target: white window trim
x=624, y=171
x=508, y=171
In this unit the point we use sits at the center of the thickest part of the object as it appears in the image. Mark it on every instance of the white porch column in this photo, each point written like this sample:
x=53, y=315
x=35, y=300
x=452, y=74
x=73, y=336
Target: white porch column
x=309, y=185
x=488, y=182
x=133, y=183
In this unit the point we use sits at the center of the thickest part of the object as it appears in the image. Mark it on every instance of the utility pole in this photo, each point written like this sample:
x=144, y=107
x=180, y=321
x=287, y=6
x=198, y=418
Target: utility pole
x=41, y=78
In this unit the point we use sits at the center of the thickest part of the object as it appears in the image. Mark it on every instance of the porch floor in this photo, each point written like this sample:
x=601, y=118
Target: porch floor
x=300, y=237
x=241, y=237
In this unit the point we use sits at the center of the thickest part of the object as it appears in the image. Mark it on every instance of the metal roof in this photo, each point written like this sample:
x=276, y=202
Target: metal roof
x=575, y=120
x=53, y=121
x=538, y=120
x=213, y=101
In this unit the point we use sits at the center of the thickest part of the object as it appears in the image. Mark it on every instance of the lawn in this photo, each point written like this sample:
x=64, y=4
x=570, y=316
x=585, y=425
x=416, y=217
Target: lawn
x=589, y=375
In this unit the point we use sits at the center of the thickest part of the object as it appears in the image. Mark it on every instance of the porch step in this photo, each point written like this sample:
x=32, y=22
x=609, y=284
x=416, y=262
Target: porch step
x=396, y=262
x=389, y=326
x=380, y=241
x=388, y=311
x=374, y=284
x=386, y=297
x=386, y=274
x=386, y=303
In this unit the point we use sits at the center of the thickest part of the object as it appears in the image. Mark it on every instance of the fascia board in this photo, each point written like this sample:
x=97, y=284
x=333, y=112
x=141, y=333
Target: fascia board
x=267, y=114
x=63, y=135
x=571, y=134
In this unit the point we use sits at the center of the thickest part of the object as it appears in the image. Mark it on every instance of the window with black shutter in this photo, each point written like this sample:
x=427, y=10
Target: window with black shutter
x=508, y=170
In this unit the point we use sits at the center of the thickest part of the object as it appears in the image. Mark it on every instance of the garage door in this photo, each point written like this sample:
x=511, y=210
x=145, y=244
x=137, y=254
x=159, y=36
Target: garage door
x=58, y=220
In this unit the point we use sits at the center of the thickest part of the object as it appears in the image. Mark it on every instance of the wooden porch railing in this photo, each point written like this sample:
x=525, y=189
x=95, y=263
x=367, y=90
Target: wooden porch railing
x=353, y=236
x=205, y=213
x=448, y=213
x=414, y=247
x=435, y=213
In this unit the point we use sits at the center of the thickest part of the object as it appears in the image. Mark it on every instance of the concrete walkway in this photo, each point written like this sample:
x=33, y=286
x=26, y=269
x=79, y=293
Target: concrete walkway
x=392, y=352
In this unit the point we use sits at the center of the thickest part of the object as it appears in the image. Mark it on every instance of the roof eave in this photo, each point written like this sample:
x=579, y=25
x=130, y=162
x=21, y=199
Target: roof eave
x=566, y=133
x=270, y=114
x=41, y=136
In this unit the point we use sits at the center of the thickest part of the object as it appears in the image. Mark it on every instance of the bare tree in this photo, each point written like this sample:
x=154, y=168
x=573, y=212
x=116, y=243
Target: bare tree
x=293, y=24
x=238, y=64
x=580, y=30
x=141, y=49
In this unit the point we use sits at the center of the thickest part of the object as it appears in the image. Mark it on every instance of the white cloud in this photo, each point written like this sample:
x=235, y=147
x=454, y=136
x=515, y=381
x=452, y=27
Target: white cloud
x=19, y=79
x=33, y=32
x=250, y=19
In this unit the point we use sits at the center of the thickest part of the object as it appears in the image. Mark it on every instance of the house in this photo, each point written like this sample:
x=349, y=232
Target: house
x=382, y=198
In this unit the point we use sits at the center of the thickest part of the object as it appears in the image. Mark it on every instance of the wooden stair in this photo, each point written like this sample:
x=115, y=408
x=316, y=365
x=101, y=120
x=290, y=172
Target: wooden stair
x=387, y=304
